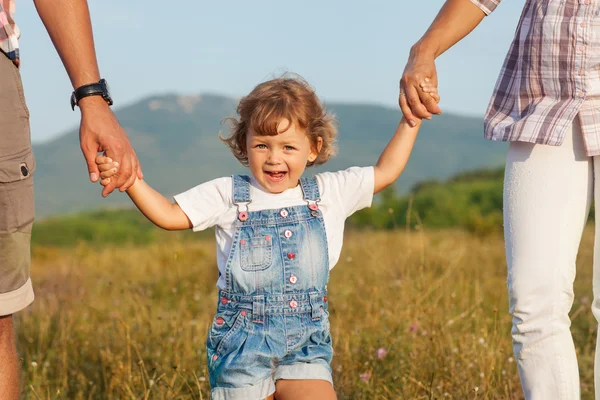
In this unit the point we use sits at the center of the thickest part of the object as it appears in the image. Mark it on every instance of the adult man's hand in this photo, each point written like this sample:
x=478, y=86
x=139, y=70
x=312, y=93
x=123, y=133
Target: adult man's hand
x=413, y=100
x=100, y=131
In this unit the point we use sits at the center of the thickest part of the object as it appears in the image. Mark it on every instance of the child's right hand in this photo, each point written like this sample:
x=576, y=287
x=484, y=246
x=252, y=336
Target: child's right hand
x=107, y=168
x=427, y=87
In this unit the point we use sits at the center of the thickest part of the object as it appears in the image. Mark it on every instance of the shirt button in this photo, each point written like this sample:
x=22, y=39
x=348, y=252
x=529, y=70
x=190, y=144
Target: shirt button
x=293, y=304
x=580, y=72
x=215, y=357
x=582, y=24
x=287, y=234
x=291, y=255
x=581, y=94
x=243, y=313
x=284, y=213
x=581, y=49
x=268, y=238
x=220, y=321
x=293, y=279
x=224, y=300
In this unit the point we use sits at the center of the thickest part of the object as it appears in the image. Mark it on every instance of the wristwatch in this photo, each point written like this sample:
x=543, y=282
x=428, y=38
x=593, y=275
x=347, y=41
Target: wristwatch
x=93, y=89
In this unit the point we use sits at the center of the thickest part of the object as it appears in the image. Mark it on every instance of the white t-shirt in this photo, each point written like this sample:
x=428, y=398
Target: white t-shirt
x=342, y=194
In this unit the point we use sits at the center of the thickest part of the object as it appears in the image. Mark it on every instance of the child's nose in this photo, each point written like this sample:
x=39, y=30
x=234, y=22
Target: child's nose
x=274, y=158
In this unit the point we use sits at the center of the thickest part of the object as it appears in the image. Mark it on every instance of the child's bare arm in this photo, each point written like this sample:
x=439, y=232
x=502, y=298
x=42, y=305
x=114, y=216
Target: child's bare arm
x=394, y=157
x=157, y=208
x=152, y=204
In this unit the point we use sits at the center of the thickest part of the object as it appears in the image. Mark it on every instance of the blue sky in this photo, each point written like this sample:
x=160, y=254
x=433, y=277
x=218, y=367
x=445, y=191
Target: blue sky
x=350, y=51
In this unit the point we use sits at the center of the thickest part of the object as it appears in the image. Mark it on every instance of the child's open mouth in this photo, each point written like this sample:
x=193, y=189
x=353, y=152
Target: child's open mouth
x=275, y=176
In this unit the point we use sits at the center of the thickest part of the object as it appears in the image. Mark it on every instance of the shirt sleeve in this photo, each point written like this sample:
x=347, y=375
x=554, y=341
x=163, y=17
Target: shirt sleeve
x=352, y=188
x=487, y=6
x=205, y=204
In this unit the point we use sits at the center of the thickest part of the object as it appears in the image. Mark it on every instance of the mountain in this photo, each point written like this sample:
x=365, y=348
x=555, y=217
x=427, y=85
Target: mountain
x=176, y=140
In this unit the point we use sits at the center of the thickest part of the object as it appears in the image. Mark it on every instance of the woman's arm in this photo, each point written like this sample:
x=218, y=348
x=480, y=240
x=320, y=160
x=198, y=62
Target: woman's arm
x=456, y=19
x=394, y=157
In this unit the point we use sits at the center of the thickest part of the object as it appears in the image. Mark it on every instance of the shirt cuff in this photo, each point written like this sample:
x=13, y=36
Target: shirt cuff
x=487, y=6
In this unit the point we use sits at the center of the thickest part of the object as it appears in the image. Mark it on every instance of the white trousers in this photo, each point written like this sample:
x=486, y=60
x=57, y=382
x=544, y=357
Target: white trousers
x=548, y=191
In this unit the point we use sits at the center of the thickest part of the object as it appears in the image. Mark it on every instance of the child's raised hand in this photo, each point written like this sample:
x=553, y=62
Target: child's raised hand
x=107, y=168
x=427, y=87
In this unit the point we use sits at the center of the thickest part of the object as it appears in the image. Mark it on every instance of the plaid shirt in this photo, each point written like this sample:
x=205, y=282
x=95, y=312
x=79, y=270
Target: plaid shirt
x=9, y=32
x=550, y=76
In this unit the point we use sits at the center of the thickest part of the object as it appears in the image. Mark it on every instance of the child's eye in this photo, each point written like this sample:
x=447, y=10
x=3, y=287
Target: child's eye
x=261, y=146
x=289, y=148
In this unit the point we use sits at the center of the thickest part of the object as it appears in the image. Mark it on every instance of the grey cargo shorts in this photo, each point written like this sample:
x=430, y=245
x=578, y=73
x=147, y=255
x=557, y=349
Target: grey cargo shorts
x=16, y=192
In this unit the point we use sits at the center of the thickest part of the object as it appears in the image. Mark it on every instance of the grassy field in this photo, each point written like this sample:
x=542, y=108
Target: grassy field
x=419, y=315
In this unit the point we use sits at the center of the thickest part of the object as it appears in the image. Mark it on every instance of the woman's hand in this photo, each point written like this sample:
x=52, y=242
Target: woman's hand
x=416, y=103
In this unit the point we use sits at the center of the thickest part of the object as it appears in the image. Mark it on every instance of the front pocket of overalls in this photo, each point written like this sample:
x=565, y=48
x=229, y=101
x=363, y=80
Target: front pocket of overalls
x=256, y=253
x=220, y=333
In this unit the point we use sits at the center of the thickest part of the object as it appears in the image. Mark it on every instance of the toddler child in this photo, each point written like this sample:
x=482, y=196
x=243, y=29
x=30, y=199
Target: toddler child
x=278, y=235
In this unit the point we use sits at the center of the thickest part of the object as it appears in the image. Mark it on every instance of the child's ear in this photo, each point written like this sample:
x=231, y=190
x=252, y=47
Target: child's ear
x=314, y=152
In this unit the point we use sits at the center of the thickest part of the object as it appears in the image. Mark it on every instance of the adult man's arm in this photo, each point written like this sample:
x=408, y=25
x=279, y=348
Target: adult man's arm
x=456, y=19
x=69, y=26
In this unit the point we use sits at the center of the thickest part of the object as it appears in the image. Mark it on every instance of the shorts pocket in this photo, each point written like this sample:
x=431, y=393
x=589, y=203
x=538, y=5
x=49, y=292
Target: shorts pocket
x=16, y=191
x=223, y=329
x=256, y=253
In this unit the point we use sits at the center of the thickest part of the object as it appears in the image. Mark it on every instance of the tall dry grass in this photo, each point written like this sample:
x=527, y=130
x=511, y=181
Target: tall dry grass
x=420, y=315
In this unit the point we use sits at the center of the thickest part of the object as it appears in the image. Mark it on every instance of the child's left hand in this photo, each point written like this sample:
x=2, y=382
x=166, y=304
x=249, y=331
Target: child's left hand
x=107, y=168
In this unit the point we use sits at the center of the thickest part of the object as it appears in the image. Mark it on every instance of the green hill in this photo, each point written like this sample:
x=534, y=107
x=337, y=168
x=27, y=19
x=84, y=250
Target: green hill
x=176, y=140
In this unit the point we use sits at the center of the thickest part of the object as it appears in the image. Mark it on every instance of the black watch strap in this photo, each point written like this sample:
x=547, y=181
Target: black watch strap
x=93, y=89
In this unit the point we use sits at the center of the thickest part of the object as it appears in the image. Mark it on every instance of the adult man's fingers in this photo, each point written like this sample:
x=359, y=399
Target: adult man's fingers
x=131, y=180
x=108, y=189
x=125, y=171
x=90, y=159
x=140, y=174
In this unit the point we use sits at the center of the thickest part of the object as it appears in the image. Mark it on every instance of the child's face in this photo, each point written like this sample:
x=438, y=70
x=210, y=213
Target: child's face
x=277, y=162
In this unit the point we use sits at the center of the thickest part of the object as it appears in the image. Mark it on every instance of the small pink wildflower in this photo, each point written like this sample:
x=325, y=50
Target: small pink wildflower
x=365, y=376
x=381, y=352
x=413, y=327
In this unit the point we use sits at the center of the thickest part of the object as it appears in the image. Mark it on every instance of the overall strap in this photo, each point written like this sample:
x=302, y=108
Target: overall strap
x=241, y=195
x=310, y=189
x=241, y=189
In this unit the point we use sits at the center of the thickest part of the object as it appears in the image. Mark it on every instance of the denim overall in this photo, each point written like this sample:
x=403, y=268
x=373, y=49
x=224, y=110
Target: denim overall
x=272, y=321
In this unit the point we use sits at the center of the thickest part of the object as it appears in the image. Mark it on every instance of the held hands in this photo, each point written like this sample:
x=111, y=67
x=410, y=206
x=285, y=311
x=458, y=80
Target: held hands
x=428, y=88
x=108, y=168
x=417, y=88
x=100, y=131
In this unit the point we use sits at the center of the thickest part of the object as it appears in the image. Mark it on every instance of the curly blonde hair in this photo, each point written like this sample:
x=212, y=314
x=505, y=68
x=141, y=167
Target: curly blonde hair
x=287, y=97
